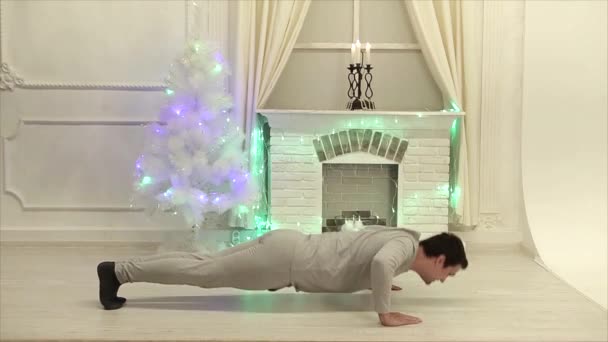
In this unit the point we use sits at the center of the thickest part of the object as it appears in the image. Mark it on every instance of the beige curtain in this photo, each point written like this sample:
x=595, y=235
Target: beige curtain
x=450, y=35
x=266, y=33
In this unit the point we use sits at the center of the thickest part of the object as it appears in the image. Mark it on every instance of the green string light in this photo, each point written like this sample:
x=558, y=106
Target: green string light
x=145, y=181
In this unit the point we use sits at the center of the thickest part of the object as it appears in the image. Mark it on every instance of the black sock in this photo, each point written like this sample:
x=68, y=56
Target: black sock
x=108, y=286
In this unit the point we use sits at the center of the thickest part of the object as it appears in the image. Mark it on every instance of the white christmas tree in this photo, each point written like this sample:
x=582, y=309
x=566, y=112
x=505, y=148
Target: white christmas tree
x=193, y=162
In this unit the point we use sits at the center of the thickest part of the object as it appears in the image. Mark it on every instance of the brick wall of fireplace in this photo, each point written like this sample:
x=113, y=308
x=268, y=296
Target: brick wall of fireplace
x=297, y=181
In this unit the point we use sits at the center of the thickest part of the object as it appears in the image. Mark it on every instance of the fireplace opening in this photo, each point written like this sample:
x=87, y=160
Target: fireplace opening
x=357, y=195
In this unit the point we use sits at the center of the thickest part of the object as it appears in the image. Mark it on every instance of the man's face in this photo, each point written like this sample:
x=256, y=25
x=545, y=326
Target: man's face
x=436, y=271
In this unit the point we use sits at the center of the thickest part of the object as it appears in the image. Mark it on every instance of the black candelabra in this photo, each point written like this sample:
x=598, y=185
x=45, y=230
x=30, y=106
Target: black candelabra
x=357, y=73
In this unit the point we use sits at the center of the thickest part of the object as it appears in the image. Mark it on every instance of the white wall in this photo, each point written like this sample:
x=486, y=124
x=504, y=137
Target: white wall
x=564, y=146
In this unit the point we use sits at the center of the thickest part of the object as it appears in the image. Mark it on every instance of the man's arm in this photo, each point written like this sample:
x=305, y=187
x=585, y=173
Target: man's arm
x=383, y=267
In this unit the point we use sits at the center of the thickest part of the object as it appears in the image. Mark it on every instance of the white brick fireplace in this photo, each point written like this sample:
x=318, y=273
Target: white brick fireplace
x=303, y=140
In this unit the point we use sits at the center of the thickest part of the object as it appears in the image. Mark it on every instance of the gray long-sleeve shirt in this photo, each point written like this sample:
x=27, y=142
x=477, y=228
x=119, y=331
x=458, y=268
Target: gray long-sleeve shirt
x=354, y=261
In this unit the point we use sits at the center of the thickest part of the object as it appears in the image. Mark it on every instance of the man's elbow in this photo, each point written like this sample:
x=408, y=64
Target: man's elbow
x=381, y=264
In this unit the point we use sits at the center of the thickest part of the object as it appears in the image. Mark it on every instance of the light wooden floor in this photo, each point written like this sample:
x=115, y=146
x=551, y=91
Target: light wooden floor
x=49, y=293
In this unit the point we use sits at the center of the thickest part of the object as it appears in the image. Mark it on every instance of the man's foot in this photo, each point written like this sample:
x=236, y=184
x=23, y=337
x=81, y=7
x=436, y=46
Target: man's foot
x=108, y=286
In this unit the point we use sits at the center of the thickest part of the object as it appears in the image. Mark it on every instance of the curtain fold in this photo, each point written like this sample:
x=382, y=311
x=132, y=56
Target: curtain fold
x=450, y=36
x=266, y=33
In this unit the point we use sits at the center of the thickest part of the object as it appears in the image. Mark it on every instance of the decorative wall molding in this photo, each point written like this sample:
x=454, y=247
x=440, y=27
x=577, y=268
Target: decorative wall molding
x=203, y=19
x=10, y=190
x=490, y=107
x=489, y=221
x=75, y=122
x=2, y=40
x=500, y=122
x=46, y=207
x=92, y=86
x=8, y=79
x=347, y=46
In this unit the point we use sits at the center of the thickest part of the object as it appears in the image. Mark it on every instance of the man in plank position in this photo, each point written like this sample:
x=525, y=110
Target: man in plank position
x=341, y=262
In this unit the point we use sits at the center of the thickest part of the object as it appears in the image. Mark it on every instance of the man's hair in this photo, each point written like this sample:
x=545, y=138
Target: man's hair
x=449, y=245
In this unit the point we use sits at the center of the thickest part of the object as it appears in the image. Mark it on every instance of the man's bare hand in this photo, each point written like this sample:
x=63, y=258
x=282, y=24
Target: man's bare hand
x=393, y=319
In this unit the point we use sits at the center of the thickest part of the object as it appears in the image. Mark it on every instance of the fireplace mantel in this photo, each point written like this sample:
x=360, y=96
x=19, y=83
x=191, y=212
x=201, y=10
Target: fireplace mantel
x=311, y=121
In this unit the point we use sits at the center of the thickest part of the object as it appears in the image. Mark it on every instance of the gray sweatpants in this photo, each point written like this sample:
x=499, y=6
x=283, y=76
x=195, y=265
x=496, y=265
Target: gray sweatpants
x=261, y=264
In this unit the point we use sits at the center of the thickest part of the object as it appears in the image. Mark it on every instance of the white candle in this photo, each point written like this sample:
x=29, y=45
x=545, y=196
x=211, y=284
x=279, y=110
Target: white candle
x=358, y=51
x=353, y=54
x=368, y=54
